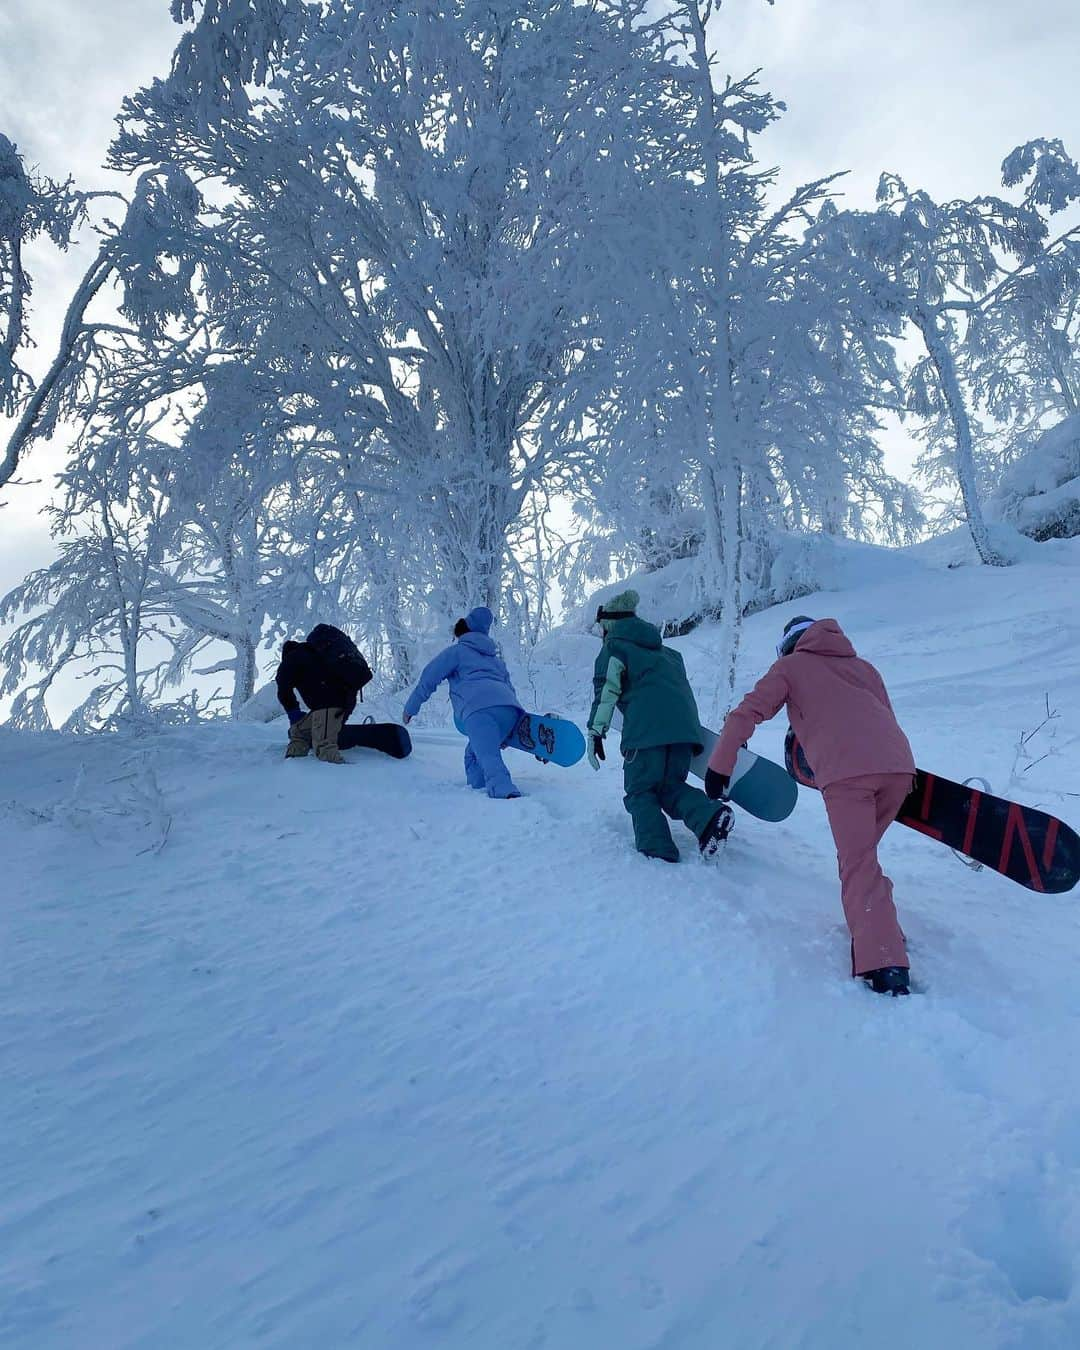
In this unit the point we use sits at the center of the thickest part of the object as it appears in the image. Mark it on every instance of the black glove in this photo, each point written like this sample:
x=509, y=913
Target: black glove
x=716, y=785
x=598, y=747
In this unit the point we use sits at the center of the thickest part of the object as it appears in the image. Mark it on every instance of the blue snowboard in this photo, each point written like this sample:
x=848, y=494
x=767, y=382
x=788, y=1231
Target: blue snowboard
x=757, y=785
x=553, y=740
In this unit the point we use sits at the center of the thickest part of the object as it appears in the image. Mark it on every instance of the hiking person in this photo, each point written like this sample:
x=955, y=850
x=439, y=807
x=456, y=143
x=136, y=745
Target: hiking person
x=862, y=763
x=329, y=673
x=661, y=732
x=484, y=702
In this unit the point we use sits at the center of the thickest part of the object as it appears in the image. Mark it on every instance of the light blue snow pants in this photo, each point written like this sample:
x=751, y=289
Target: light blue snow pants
x=484, y=767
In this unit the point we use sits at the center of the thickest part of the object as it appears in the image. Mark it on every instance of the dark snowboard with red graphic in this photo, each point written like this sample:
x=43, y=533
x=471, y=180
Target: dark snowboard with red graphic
x=1023, y=844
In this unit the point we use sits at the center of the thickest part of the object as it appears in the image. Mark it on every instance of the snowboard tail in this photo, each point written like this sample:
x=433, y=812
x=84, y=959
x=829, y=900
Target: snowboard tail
x=759, y=786
x=386, y=737
x=550, y=739
x=1026, y=845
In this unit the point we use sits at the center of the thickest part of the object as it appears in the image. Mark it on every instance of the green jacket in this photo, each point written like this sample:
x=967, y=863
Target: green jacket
x=647, y=682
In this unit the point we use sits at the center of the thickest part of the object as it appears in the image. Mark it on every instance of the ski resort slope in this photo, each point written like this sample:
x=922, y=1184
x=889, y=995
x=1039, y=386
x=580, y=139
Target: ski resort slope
x=303, y=1056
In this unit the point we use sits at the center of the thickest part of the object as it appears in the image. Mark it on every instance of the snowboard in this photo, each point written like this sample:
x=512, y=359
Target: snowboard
x=1023, y=844
x=387, y=737
x=759, y=786
x=551, y=739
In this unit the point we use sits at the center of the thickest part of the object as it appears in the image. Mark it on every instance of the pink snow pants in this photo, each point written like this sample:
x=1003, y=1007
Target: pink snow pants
x=860, y=811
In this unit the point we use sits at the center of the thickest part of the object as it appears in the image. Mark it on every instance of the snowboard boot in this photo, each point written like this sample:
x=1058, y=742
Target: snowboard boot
x=326, y=723
x=893, y=980
x=712, y=841
x=299, y=738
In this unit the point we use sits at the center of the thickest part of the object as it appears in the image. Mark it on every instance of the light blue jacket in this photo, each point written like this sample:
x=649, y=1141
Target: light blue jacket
x=477, y=677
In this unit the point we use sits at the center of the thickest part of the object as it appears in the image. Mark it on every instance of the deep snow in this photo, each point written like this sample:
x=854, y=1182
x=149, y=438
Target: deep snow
x=304, y=1056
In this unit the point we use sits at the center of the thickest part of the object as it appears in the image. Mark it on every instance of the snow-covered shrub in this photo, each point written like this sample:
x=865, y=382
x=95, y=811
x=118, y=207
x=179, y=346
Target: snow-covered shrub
x=1040, y=493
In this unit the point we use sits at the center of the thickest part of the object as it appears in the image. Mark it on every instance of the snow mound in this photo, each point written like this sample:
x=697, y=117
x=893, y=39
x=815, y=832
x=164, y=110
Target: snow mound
x=1040, y=493
x=262, y=706
x=800, y=565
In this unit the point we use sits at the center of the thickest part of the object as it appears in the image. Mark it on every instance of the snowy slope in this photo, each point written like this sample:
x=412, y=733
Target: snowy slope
x=303, y=1056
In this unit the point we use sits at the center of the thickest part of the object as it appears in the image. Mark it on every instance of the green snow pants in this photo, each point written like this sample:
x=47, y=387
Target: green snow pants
x=655, y=783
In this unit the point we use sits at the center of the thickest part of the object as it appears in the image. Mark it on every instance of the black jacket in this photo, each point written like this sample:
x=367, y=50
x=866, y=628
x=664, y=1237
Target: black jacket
x=303, y=670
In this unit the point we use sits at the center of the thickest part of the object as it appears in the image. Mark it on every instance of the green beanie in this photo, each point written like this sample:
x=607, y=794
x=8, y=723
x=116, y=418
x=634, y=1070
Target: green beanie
x=625, y=603
x=618, y=606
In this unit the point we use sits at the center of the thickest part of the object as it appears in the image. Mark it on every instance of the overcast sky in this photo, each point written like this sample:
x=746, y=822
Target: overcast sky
x=936, y=90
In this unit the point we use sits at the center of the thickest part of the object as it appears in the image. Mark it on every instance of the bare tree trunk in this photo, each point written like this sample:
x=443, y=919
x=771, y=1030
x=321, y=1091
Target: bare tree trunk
x=1059, y=350
x=127, y=625
x=938, y=350
x=471, y=540
x=245, y=673
x=720, y=484
x=755, y=554
x=11, y=262
x=401, y=653
x=721, y=480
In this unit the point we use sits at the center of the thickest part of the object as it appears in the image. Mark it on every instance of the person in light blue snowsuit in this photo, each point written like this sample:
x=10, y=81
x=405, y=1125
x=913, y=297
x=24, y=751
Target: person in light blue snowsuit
x=484, y=702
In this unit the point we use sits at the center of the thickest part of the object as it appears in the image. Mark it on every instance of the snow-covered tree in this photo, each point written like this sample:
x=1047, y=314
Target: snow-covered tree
x=754, y=369
x=95, y=607
x=30, y=206
x=1020, y=356
x=144, y=266
x=398, y=284
x=964, y=273
x=416, y=229
x=936, y=253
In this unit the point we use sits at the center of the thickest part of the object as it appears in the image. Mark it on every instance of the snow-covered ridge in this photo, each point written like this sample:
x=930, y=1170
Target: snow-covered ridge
x=296, y=1055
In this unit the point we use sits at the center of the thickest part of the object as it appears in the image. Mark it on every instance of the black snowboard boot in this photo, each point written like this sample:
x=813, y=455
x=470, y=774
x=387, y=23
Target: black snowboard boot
x=888, y=980
x=717, y=831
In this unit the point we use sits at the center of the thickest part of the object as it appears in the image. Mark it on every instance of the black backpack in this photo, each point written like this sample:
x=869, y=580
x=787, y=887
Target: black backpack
x=341, y=656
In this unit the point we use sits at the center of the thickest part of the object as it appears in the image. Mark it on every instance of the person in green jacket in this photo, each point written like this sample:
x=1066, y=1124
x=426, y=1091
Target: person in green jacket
x=661, y=732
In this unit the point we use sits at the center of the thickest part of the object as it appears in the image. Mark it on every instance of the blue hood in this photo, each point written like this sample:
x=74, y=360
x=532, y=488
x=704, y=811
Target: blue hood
x=480, y=619
x=479, y=643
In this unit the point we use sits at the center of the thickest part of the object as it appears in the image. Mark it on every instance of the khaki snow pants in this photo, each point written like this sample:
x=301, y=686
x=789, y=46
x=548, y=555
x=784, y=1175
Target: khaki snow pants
x=319, y=731
x=860, y=811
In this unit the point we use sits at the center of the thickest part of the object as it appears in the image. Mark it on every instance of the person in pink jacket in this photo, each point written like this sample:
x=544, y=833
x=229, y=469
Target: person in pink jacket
x=862, y=763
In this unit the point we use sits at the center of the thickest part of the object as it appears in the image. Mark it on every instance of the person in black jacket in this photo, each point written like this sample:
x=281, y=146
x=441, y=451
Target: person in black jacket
x=328, y=673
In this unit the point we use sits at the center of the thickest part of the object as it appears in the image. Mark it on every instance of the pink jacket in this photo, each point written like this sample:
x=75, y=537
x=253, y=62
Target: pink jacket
x=837, y=704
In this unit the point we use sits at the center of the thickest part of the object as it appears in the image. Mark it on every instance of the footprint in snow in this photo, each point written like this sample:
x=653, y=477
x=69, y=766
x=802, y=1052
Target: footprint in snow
x=436, y=1305
x=1020, y=1229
